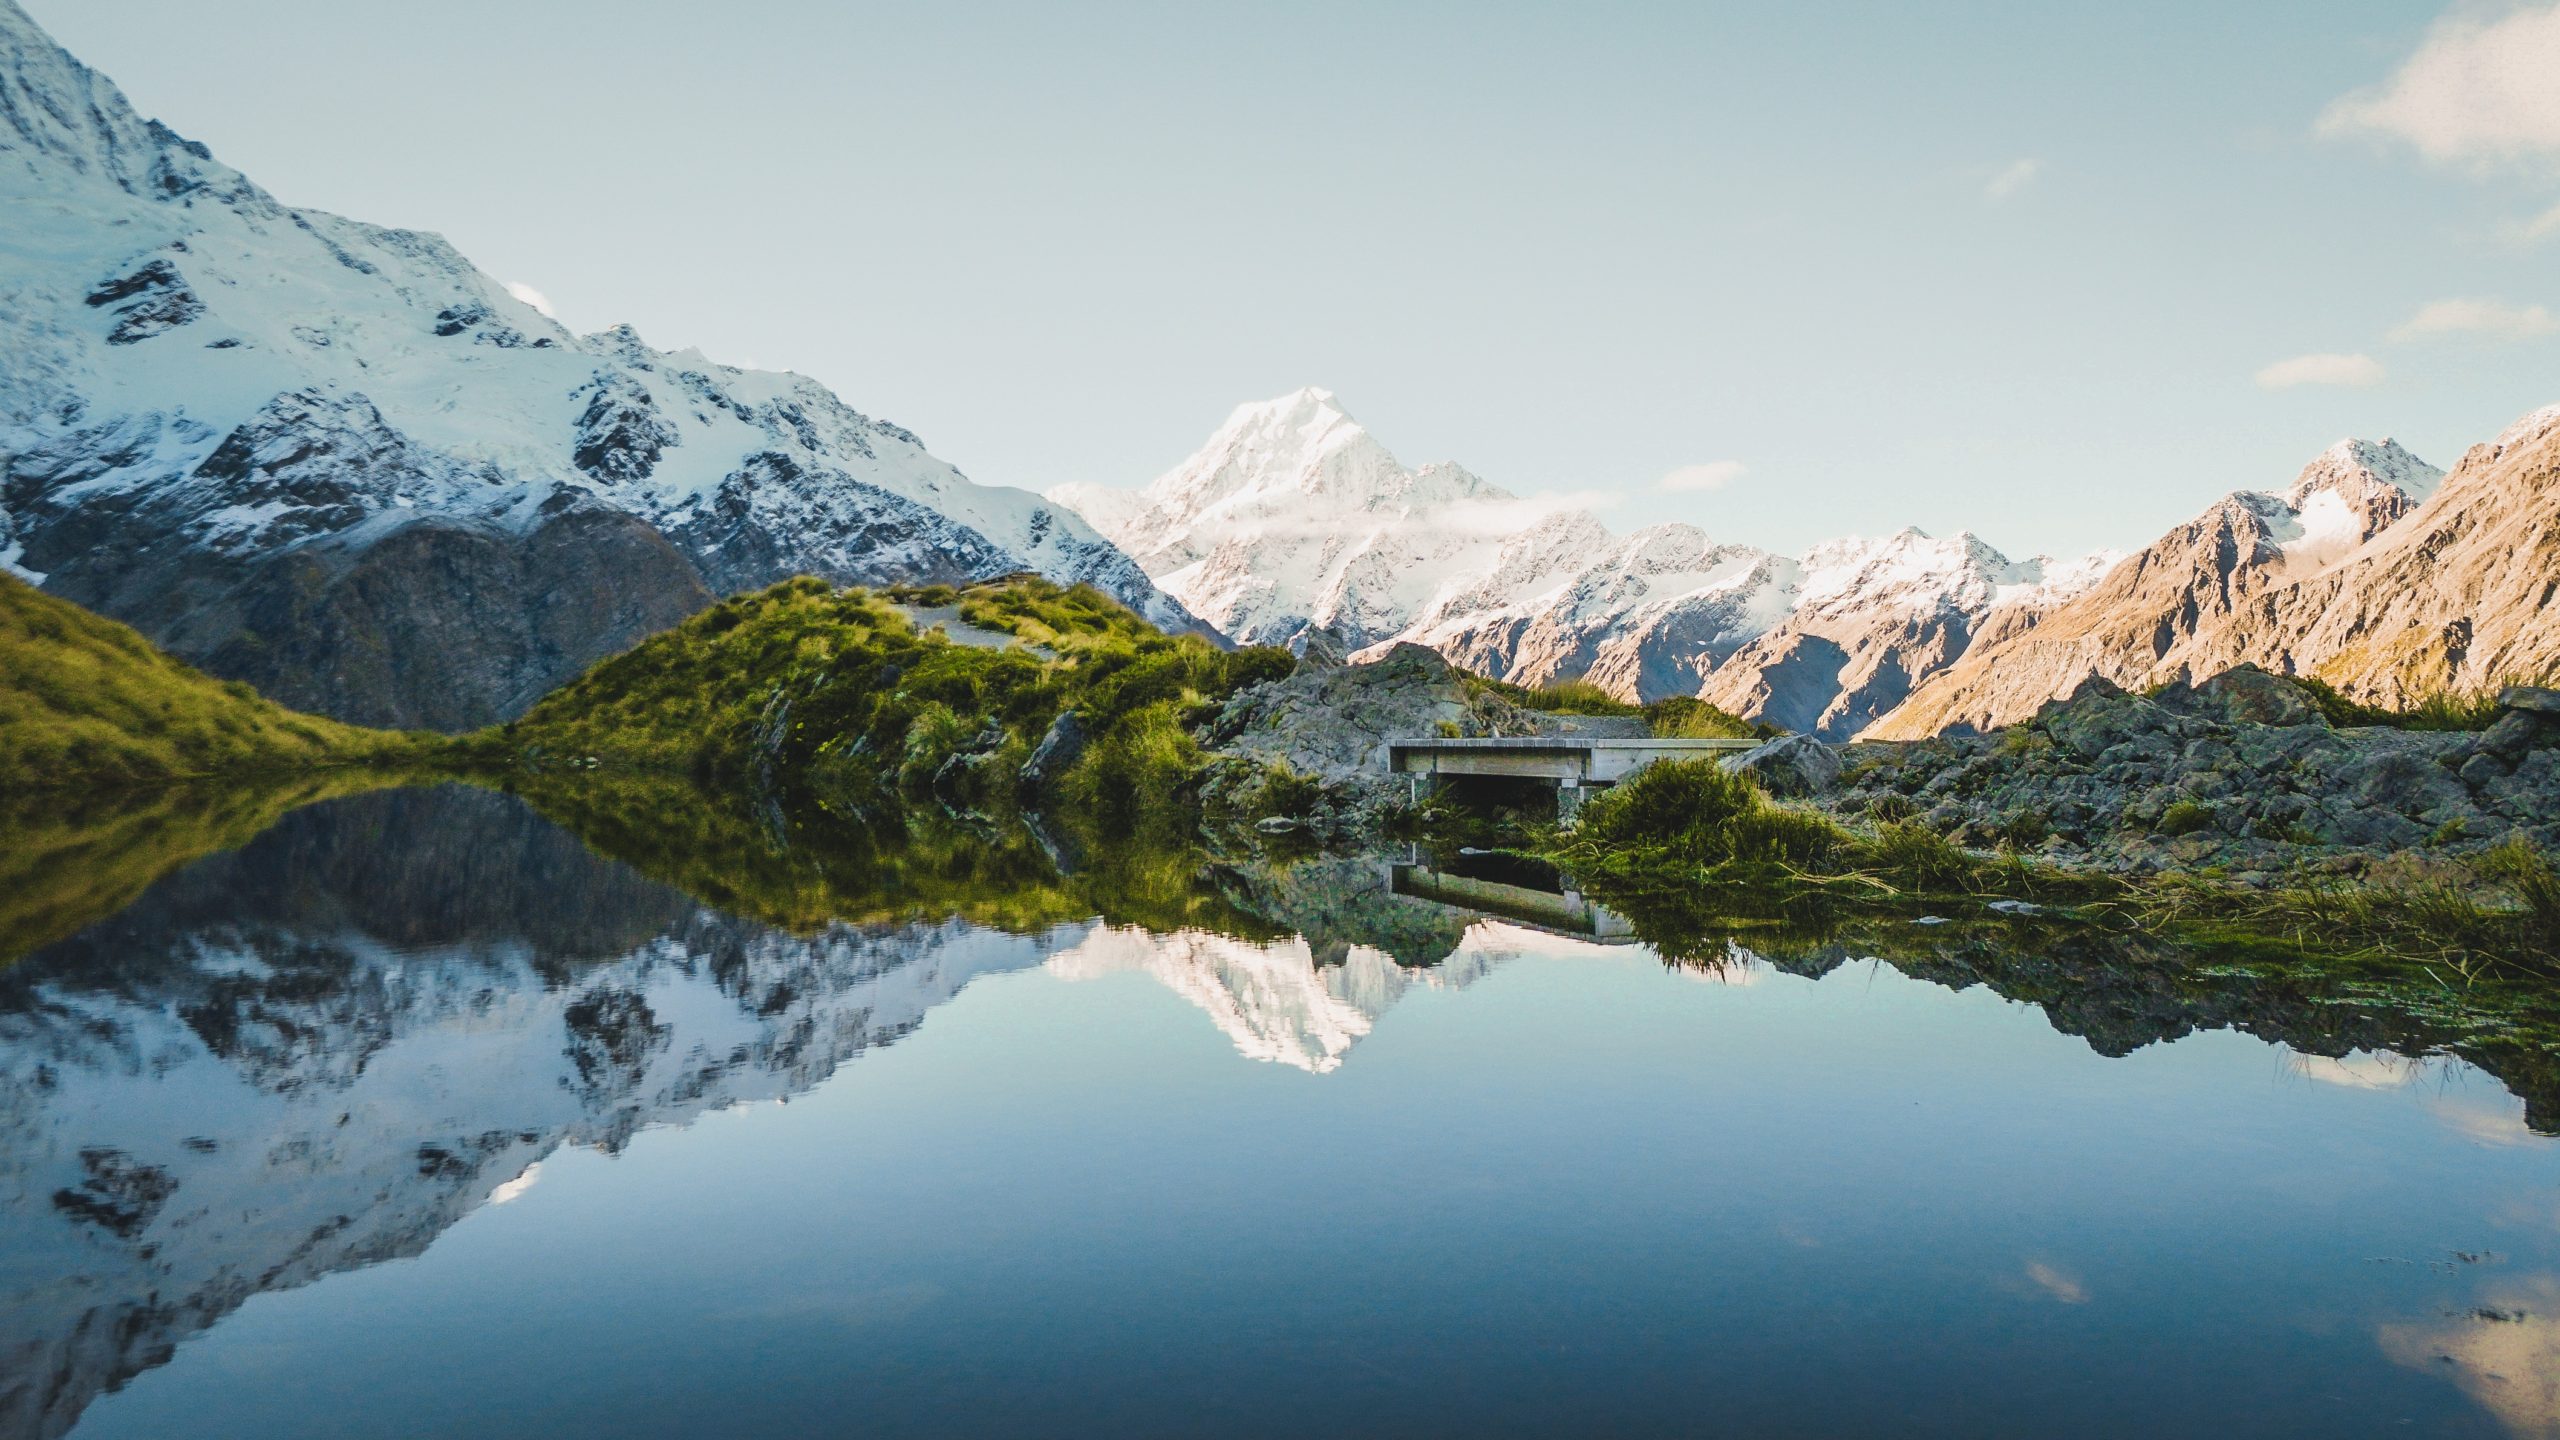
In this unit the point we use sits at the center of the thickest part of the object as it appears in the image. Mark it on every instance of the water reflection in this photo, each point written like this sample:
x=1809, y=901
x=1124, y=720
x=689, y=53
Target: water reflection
x=323, y=1049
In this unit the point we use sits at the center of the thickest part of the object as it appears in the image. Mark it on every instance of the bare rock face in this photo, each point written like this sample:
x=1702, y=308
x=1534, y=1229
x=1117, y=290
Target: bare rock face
x=2160, y=615
x=2459, y=596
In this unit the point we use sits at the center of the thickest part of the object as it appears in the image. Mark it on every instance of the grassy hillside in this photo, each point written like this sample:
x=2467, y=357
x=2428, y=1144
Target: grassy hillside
x=835, y=694
x=88, y=703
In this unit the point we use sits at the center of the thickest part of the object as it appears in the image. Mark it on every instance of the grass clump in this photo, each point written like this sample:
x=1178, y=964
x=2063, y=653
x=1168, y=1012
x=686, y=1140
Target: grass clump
x=1684, y=717
x=2185, y=817
x=807, y=690
x=2444, y=710
x=87, y=703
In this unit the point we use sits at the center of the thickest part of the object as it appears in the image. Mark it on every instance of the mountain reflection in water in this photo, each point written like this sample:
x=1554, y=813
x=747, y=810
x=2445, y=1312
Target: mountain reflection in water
x=324, y=1049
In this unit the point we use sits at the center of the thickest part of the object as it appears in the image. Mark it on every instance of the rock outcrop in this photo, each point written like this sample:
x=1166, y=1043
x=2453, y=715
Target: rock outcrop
x=1331, y=724
x=2243, y=771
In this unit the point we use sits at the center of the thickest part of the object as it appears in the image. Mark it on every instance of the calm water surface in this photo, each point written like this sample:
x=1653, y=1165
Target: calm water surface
x=415, y=1117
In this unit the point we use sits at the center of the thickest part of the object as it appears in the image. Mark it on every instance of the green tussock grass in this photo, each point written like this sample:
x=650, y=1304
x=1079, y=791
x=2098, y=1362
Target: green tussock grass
x=2441, y=711
x=1694, y=819
x=807, y=689
x=87, y=703
x=1680, y=717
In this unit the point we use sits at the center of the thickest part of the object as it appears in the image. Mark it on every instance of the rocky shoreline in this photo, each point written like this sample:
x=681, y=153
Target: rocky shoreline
x=2243, y=774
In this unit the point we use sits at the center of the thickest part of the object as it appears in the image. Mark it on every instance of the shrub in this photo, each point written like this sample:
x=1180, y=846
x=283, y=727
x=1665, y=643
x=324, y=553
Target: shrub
x=1916, y=856
x=1696, y=811
x=2186, y=817
x=2025, y=829
x=1890, y=807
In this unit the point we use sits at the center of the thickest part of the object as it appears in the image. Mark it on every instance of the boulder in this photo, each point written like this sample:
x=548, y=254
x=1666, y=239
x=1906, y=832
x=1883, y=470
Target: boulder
x=2516, y=732
x=1057, y=753
x=1791, y=766
x=2246, y=695
x=2530, y=697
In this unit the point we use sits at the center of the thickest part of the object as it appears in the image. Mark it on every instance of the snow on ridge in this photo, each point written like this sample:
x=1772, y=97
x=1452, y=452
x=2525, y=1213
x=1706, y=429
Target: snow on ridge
x=142, y=278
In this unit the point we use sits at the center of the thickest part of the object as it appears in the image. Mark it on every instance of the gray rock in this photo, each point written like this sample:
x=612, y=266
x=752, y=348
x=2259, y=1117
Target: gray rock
x=2514, y=733
x=1056, y=753
x=1791, y=766
x=2530, y=697
x=2482, y=772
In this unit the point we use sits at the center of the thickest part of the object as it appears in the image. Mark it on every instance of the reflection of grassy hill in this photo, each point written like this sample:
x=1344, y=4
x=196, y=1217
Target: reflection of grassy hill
x=86, y=702
x=68, y=863
x=804, y=869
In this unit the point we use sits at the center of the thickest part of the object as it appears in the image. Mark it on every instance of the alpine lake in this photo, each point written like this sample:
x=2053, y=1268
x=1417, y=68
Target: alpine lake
x=448, y=1111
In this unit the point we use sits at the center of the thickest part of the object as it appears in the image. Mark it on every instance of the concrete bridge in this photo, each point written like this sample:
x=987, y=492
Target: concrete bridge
x=1573, y=762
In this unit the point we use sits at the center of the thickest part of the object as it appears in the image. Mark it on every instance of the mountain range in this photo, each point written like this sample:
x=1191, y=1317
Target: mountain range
x=1293, y=525
x=339, y=462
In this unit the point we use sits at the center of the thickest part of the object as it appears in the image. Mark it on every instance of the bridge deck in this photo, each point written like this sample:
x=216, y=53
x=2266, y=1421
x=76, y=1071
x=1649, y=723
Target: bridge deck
x=1574, y=759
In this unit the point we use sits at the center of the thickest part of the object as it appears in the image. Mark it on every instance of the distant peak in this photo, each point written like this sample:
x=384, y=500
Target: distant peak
x=2354, y=465
x=58, y=113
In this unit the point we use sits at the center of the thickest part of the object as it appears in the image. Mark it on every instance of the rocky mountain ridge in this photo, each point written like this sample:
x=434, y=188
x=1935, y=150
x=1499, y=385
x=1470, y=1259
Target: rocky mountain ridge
x=1293, y=525
x=2373, y=572
x=340, y=462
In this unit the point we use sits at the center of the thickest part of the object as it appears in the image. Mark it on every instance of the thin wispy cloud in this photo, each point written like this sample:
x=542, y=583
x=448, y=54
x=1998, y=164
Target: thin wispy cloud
x=2480, y=92
x=1695, y=479
x=2060, y=1284
x=530, y=296
x=2016, y=176
x=2493, y=318
x=2545, y=226
x=2353, y=370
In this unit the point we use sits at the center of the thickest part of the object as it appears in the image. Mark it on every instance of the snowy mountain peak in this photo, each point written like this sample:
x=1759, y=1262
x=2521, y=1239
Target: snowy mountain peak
x=56, y=112
x=2358, y=468
x=208, y=394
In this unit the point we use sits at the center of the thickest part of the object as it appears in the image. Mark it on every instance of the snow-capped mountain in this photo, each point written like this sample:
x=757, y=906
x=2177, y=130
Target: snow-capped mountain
x=342, y=463
x=1293, y=519
x=1293, y=524
x=2142, y=623
x=1872, y=619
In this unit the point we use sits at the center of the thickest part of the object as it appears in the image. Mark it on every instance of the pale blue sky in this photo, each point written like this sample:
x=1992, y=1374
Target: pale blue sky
x=1574, y=247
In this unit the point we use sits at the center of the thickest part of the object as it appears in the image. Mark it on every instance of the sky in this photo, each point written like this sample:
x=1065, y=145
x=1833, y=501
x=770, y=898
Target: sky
x=2057, y=274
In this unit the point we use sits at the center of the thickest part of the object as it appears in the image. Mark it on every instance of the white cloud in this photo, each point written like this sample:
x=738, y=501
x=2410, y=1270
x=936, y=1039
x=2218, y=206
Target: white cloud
x=2321, y=370
x=2478, y=317
x=2014, y=178
x=530, y=296
x=1714, y=475
x=2062, y=1285
x=2480, y=91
